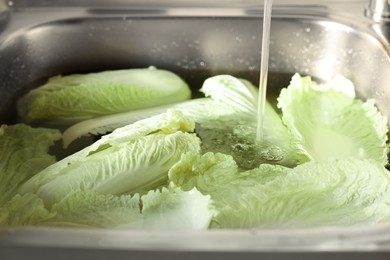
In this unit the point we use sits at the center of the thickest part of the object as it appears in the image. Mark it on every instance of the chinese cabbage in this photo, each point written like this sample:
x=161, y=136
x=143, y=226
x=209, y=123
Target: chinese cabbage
x=334, y=192
x=129, y=160
x=21, y=210
x=171, y=209
x=327, y=121
x=234, y=132
x=159, y=209
x=78, y=97
x=24, y=151
x=227, y=113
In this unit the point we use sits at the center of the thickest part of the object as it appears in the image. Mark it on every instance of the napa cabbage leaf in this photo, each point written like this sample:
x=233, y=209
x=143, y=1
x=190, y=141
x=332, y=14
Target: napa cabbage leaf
x=166, y=208
x=24, y=210
x=24, y=151
x=330, y=193
x=233, y=131
x=226, y=122
x=172, y=208
x=326, y=120
x=77, y=97
x=129, y=160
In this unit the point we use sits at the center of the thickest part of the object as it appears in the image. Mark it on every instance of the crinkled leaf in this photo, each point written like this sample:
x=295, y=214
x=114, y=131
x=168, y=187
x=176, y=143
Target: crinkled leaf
x=27, y=209
x=128, y=160
x=172, y=209
x=234, y=132
x=23, y=153
x=334, y=192
x=229, y=114
x=217, y=175
x=91, y=209
x=132, y=124
x=79, y=97
x=327, y=121
x=165, y=209
x=206, y=172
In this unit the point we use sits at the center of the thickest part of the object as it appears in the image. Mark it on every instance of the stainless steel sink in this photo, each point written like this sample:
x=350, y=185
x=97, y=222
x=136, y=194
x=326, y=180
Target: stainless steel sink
x=195, y=39
x=39, y=42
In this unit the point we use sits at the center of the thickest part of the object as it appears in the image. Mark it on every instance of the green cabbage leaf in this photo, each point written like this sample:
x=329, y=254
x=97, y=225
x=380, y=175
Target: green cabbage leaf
x=132, y=159
x=172, y=208
x=334, y=192
x=23, y=153
x=326, y=120
x=231, y=127
x=168, y=208
x=82, y=96
x=164, y=208
x=235, y=194
x=226, y=122
x=24, y=210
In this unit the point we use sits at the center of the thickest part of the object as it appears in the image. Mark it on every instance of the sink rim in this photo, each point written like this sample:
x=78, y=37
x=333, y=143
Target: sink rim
x=374, y=238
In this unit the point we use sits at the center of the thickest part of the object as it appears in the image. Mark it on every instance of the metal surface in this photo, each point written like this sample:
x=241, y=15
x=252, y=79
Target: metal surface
x=321, y=40
x=307, y=39
x=379, y=10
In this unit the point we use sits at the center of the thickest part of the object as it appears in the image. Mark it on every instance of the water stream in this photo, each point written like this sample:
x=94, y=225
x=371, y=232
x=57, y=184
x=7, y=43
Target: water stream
x=263, y=69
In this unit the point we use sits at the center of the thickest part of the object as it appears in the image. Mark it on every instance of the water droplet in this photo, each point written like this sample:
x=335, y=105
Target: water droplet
x=238, y=39
x=379, y=93
x=10, y=3
x=308, y=29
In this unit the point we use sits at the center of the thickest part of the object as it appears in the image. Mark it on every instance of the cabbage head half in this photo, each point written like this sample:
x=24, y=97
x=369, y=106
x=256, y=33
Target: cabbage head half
x=77, y=97
x=132, y=159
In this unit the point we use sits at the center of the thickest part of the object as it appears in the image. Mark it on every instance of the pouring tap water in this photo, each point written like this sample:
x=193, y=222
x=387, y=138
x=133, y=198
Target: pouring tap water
x=263, y=69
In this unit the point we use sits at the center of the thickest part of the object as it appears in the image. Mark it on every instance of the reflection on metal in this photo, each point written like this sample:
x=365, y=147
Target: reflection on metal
x=379, y=10
x=318, y=40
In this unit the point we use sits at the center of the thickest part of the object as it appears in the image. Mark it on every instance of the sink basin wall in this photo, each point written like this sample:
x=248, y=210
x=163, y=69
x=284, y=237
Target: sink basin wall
x=195, y=48
x=37, y=44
